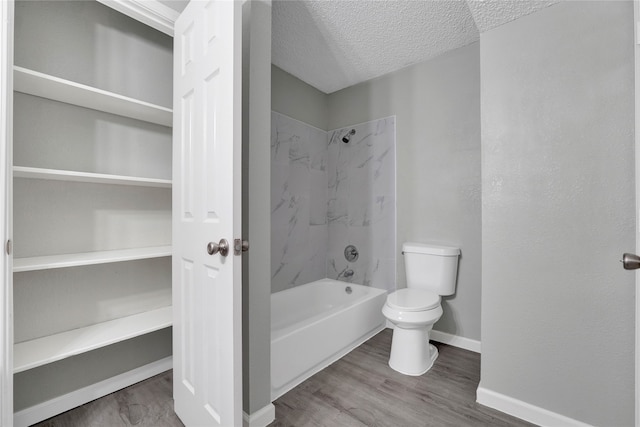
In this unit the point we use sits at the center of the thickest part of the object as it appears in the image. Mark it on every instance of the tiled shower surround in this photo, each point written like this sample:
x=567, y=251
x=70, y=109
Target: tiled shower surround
x=327, y=194
x=299, y=233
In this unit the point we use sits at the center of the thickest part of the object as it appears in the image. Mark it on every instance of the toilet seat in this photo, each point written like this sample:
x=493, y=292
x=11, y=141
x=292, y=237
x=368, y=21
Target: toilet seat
x=413, y=300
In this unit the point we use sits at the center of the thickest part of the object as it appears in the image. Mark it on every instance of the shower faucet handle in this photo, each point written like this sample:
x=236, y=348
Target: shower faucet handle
x=351, y=253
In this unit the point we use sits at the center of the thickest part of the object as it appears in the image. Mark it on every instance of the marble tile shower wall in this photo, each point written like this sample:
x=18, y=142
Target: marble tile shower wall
x=299, y=188
x=325, y=195
x=362, y=203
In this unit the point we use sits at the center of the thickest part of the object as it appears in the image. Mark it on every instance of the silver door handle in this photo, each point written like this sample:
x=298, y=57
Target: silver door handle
x=630, y=261
x=222, y=247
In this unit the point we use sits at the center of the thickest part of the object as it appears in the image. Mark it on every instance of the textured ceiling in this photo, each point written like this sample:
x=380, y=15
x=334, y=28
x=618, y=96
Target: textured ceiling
x=333, y=44
x=489, y=14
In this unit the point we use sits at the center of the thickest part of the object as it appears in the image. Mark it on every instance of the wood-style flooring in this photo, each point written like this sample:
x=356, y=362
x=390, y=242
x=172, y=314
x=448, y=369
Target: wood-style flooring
x=358, y=390
x=362, y=390
x=146, y=404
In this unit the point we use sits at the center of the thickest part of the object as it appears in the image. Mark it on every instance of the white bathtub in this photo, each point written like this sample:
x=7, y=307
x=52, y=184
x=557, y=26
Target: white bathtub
x=314, y=325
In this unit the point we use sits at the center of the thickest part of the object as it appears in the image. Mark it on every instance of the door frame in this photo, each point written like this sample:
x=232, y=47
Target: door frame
x=6, y=136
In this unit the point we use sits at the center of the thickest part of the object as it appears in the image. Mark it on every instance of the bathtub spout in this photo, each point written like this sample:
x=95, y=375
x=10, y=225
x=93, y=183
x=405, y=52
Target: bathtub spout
x=348, y=274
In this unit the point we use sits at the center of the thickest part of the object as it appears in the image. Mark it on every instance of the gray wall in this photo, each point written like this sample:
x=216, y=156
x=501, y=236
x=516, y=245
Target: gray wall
x=437, y=109
x=256, y=263
x=558, y=210
x=294, y=98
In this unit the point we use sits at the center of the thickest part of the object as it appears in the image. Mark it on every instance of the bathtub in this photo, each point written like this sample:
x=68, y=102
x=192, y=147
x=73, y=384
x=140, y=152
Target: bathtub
x=314, y=325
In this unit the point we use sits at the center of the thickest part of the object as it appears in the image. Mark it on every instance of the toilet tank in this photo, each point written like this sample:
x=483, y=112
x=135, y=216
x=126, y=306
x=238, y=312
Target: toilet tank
x=431, y=267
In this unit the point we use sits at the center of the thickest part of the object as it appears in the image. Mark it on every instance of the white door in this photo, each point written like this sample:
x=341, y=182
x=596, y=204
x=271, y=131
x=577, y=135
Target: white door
x=206, y=209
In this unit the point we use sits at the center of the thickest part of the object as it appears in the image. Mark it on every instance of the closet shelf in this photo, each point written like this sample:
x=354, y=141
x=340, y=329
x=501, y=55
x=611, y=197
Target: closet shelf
x=88, y=258
x=88, y=177
x=50, y=87
x=41, y=351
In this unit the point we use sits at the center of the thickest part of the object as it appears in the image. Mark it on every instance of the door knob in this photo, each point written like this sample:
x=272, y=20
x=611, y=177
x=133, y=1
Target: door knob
x=240, y=246
x=630, y=261
x=222, y=247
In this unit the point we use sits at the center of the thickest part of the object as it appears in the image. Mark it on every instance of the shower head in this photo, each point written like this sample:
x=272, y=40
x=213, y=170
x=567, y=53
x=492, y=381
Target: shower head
x=347, y=137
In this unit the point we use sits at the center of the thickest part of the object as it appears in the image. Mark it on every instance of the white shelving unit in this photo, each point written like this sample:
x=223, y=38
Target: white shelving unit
x=41, y=351
x=88, y=177
x=48, y=349
x=50, y=87
x=88, y=258
x=123, y=295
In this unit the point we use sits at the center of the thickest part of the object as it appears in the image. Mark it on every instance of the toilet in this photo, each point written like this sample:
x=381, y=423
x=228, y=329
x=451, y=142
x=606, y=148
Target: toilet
x=431, y=272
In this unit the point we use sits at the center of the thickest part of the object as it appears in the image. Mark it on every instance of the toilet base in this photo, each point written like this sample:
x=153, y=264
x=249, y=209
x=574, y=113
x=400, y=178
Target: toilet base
x=411, y=353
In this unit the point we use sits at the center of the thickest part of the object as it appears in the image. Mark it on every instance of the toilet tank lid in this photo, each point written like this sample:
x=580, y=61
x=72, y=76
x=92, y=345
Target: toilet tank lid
x=425, y=248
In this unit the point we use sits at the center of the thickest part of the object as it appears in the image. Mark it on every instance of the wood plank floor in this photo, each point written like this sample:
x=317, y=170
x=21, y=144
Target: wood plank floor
x=358, y=390
x=146, y=404
x=361, y=390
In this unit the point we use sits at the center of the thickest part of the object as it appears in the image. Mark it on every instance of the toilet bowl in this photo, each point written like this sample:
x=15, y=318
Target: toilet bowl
x=431, y=272
x=413, y=313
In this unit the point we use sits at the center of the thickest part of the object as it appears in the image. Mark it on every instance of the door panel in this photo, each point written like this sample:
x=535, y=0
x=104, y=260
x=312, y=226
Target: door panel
x=207, y=288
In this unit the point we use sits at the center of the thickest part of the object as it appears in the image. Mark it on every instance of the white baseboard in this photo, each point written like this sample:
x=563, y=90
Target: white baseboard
x=63, y=403
x=261, y=418
x=456, y=341
x=449, y=339
x=525, y=411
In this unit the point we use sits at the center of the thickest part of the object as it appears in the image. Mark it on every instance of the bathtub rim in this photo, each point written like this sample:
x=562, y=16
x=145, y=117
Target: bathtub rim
x=286, y=331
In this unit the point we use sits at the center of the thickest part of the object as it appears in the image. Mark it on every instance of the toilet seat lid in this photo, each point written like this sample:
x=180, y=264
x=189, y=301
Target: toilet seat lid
x=413, y=300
